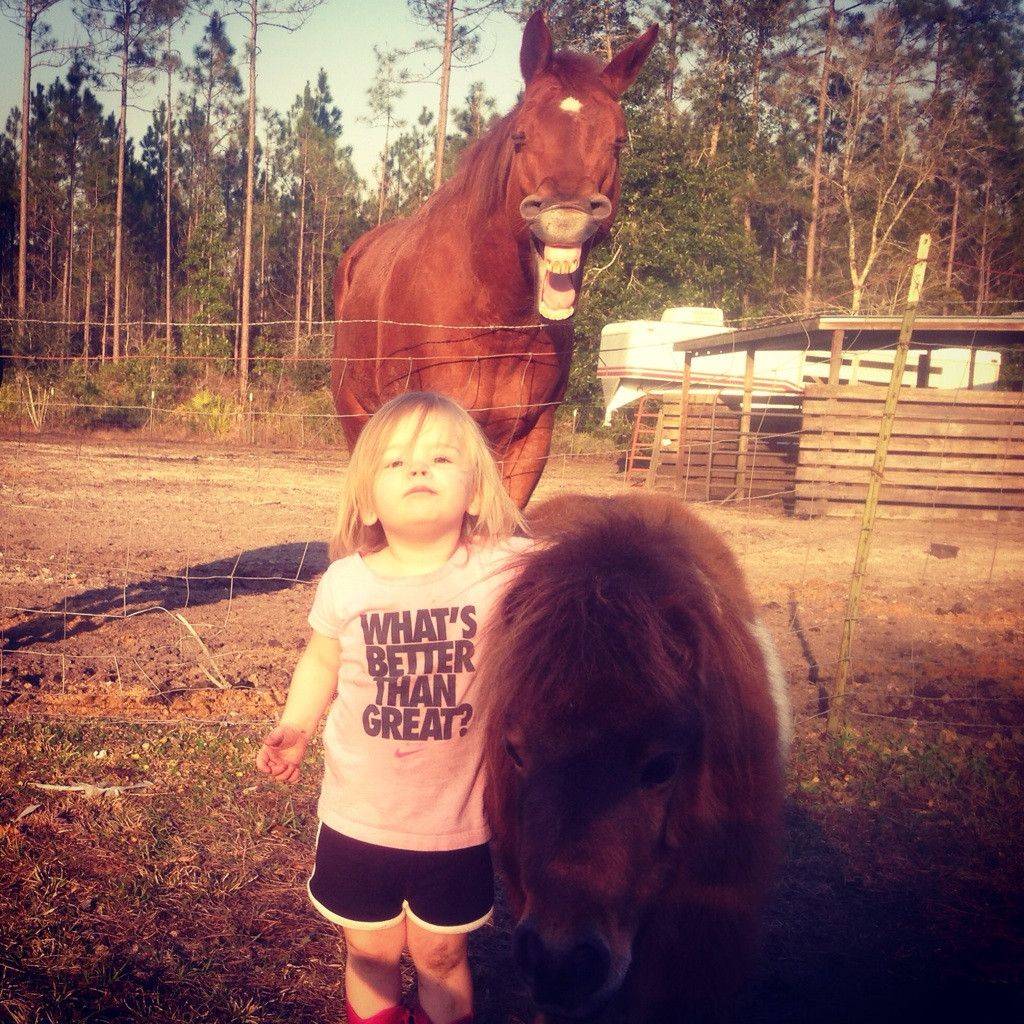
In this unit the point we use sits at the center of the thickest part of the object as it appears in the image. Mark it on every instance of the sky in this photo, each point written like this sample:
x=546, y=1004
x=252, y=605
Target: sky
x=339, y=36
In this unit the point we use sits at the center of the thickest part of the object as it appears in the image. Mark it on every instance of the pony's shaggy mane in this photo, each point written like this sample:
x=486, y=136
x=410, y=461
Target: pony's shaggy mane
x=627, y=606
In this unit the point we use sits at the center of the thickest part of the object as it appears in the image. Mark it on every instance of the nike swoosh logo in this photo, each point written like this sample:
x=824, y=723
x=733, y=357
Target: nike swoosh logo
x=406, y=751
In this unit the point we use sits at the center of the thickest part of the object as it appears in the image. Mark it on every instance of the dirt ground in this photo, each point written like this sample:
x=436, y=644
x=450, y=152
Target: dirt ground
x=155, y=594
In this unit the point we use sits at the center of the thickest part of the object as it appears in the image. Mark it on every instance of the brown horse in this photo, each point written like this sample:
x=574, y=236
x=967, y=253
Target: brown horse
x=473, y=295
x=635, y=727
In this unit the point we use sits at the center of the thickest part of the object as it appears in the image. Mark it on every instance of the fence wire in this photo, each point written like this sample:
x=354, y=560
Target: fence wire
x=137, y=576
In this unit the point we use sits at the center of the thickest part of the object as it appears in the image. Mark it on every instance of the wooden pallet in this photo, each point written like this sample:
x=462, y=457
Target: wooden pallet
x=949, y=450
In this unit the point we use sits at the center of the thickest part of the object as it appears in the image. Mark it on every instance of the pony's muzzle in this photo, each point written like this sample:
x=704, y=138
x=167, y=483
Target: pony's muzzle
x=565, y=979
x=557, y=222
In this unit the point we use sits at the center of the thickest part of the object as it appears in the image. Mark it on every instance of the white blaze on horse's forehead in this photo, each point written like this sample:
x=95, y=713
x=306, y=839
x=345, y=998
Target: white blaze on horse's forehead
x=570, y=105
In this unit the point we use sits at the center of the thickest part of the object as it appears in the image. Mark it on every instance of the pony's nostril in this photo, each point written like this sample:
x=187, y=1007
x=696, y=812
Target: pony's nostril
x=588, y=965
x=527, y=949
x=600, y=207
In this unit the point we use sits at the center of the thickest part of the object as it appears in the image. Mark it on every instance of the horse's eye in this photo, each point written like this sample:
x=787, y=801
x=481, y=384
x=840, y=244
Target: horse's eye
x=658, y=770
x=513, y=753
x=518, y=141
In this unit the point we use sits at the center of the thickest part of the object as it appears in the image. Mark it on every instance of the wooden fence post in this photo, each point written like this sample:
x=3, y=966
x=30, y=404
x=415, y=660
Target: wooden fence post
x=743, y=443
x=836, y=708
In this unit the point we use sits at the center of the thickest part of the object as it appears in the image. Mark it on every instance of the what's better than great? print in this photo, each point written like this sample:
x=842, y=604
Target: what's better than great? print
x=414, y=658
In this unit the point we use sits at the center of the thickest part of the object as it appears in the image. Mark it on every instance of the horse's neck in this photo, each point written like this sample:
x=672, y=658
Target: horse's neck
x=484, y=251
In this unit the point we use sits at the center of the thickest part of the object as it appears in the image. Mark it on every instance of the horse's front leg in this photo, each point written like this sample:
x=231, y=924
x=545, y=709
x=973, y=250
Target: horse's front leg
x=525, y=458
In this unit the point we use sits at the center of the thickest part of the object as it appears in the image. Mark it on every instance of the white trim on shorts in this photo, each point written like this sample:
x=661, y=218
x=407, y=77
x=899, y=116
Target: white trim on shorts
x=448, y=929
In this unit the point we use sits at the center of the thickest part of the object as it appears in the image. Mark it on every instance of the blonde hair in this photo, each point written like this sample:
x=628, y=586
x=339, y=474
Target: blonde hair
x=498, y=516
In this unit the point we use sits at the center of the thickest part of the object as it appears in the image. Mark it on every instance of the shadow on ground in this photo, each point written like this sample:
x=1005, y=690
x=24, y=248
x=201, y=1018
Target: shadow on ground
x=837, y=953
x=265, y=570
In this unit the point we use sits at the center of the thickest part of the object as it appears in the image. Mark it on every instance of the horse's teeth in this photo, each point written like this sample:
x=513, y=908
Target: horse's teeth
x=561, y=266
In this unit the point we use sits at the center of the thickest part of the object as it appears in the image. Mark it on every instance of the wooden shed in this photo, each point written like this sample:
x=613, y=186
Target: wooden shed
x=953, y=448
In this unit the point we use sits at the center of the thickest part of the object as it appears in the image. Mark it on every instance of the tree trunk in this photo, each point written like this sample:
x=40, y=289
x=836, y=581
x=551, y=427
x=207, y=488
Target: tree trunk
x=819, y=145
x=446, y=75
x=106, y=317
x=323, y=286
x=312, y=265
x=263, y=234
x=951, y=255
x=672, y=65
x=168, y=187
x=51, y=235
x=87, y=308
x=26, y=79
x=983, y=257
x=115, y=351
x=383, y=190
x=243, y=332
x=189, y=230
x=298, y=255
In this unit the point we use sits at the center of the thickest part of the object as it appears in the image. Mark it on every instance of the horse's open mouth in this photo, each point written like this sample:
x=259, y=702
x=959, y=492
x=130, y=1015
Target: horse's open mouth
x=558, y=279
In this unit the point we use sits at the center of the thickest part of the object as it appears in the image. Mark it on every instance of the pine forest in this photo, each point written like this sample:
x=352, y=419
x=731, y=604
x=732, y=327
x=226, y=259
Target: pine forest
x=783, y=158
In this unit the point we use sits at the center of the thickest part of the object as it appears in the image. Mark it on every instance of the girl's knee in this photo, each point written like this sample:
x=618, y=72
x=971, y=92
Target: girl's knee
x=437, y=955
x=376, y=948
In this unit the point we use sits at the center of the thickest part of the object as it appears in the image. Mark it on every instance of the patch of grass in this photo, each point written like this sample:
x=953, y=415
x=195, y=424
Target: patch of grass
x=185, y=902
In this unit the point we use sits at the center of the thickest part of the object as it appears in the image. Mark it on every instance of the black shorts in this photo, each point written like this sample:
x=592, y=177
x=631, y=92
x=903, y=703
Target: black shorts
x=359, y=885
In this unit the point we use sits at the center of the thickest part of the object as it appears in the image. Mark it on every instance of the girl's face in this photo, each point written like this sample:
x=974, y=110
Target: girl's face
x=422, y=485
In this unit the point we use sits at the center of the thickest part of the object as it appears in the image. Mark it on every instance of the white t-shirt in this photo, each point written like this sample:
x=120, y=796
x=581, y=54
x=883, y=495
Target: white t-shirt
x=401, y=744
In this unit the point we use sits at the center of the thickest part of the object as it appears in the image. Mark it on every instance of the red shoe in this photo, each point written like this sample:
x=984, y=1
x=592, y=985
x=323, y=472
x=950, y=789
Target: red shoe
x=389, y=1015
x=418, y=1016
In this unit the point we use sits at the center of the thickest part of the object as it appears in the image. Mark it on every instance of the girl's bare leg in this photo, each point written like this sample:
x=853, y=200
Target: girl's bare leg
x=442, y=967
x=373, y=979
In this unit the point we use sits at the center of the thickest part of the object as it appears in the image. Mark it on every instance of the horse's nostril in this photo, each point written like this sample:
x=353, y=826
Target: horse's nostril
x=600, y=207
x=529, y=208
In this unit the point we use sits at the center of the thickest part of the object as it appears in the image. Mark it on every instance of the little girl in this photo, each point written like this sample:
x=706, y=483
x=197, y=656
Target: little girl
x=423, y=546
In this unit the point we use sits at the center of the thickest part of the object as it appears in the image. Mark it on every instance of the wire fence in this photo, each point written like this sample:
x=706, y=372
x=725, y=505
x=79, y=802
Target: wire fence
x=143, y=583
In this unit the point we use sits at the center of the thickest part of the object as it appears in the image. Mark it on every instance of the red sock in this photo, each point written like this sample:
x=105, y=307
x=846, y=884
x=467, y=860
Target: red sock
x=389, y=1015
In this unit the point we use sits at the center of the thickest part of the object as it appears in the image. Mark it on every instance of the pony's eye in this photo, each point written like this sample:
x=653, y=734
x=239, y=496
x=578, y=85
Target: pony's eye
x=518, y=140
x=658, y=770
x=513, y=753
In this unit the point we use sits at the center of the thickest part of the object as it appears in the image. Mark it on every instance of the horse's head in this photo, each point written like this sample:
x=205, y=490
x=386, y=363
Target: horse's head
x=564, y=181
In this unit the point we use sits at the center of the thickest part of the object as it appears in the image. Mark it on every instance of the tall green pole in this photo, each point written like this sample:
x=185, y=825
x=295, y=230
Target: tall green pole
x=835, y=716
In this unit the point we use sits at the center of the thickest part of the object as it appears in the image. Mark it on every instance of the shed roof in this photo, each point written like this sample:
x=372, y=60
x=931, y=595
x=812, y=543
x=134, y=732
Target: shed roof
x=864, y=332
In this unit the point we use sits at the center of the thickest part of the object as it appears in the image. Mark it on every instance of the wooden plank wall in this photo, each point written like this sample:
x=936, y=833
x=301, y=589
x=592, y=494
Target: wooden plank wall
x=950, y=450
x=707, y=468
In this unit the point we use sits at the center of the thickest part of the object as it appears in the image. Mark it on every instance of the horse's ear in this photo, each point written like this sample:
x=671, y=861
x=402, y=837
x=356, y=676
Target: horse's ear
x=621, y=71
x=535, y=53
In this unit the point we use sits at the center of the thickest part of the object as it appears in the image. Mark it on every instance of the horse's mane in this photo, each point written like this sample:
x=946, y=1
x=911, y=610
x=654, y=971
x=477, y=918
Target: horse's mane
x=481, y=177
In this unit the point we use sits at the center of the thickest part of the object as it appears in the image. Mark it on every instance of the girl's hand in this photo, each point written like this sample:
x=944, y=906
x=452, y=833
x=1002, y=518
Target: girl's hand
x=282, y=752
